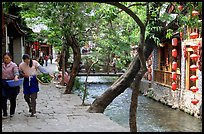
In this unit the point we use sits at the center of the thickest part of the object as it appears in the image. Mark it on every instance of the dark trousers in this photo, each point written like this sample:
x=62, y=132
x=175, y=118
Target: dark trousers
x=12, y=104
x=31, y=100
x=46, y=63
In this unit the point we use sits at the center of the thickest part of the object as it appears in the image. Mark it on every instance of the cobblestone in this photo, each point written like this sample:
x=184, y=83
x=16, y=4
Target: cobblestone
x=57, y=112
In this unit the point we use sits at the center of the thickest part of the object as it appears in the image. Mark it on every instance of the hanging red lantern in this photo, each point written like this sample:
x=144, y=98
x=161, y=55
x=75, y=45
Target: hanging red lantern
x=194, y=35
x=194, y=46
x=180, y=7
x=194, y=57
x=174, y=65
x=193, y=67
x=194, y=101
x=173, y=86
x=174, y=75
x=193, y=78
x=194, y=89
x=194, y=13
x=174, y=42
x=174, y=53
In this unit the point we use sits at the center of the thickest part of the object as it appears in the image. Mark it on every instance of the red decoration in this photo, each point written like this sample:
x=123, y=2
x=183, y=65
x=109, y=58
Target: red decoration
x=194, y=101
x=193, y=78
x=180, y=7
x=174, y=53
x=194, y=89
x=173, y=86
x=194, y=46
x=174, y=65
x=174, y=41
x=174, y=75
x=194, y=57
x=194, y=35
x=193, y=67
x=194, y=13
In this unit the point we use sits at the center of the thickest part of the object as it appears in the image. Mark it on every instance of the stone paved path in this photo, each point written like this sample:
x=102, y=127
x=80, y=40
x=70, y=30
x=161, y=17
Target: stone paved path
x=58, y=112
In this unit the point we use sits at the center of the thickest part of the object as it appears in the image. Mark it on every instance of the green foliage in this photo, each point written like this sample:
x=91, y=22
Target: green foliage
x=169, y=33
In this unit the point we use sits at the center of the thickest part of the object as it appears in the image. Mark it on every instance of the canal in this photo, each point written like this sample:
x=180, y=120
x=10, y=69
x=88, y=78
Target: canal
x=152, y=116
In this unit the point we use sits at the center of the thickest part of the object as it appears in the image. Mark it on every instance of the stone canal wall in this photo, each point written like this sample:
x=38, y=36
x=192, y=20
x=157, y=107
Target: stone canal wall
x=179, y=99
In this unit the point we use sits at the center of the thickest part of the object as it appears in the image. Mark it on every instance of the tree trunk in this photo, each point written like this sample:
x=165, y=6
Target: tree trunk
x=63, y=64
x=134, y=101
x=118, y=87
x=86, y=83
x=76, y=62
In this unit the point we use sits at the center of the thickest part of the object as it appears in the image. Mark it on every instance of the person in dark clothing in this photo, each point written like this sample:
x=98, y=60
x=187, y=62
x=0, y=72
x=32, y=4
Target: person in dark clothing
x=51, y=57
x=10, y=71
x=41, y=60
x=46, y=60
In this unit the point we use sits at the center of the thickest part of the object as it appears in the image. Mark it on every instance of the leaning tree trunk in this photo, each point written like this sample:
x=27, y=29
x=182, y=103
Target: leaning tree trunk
x=134, y=101
x=118, y=87
x=76, y=62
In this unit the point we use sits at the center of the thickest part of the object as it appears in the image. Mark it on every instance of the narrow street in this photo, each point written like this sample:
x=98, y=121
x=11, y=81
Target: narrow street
x=57, y=112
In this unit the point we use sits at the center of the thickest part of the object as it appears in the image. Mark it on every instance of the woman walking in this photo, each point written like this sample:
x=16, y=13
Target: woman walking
x=28, y=68
x=10, y=71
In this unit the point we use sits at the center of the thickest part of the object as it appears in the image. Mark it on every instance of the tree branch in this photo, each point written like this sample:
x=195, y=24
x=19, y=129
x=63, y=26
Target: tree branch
x=136, y=4
x=128, y=11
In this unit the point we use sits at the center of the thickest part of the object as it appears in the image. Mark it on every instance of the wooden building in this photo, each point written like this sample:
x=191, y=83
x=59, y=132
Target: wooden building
x=13, y=37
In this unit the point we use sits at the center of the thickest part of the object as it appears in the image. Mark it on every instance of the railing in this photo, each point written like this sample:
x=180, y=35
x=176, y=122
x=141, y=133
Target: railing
x=164, y=78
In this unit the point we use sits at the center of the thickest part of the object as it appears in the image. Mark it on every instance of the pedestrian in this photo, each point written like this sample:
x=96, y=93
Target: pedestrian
x=46, y=59
x=114, y=64
x=51, y=57
x=10, y=71
x=41, y=60
x=28, y=68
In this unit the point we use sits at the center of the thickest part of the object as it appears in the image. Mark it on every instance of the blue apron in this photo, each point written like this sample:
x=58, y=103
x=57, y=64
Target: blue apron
x=30, y=85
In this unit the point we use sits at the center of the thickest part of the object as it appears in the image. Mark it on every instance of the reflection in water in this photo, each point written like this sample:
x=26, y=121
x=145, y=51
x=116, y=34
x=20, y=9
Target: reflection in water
x=152, y=116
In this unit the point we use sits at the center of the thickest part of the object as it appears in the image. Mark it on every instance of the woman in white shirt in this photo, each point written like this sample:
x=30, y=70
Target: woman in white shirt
x=28, y=69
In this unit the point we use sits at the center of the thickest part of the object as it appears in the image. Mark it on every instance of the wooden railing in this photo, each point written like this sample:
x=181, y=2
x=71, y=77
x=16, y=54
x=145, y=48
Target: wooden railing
x=164, y=78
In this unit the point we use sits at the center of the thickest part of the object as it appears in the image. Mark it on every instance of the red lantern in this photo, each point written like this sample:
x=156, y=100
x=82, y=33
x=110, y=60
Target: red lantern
x=174, y=53
x=173, y=86
x=193, y=67
x=194, y=13
x=194, y=57
x=194, y=35
x=180, y=7
x=194, y=46
x=174, y=65
x=174, y=75
x=174, y=42
x=194, y=101
x=194, y=89
x=193, y=78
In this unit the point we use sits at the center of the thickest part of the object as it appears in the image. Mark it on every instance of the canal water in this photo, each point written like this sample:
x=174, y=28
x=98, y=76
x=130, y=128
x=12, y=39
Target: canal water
x=152, y=116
